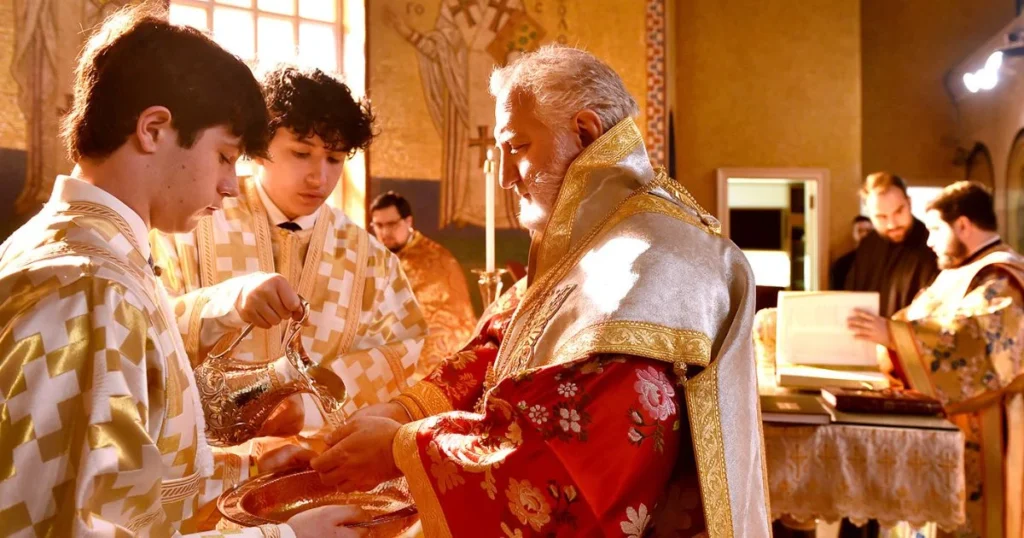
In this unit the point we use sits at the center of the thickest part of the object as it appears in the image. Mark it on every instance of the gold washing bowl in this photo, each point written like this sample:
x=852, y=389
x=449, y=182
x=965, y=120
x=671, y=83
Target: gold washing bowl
x=274, y=498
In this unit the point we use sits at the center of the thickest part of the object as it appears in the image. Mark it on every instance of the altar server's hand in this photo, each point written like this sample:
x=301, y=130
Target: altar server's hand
x=360, y=456
x=868, y=326
x=387, y=410
x=329, y=522
x=267, y=299
x=286, y=419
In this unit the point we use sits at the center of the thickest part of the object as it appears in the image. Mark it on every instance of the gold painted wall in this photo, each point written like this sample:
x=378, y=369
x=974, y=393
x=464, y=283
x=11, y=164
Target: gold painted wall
x=12, y=121
x=909, y=121
x=408, y=146
x=770, y=84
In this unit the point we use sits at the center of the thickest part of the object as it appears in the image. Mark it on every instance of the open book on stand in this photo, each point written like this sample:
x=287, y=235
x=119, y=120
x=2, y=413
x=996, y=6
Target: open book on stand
x=815, y=349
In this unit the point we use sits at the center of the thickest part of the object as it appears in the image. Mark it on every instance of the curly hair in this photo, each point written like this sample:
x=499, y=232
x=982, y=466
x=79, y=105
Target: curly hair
x=311, y=102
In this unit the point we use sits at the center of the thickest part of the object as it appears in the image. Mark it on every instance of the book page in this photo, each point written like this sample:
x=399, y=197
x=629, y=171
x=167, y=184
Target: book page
x=811, y=329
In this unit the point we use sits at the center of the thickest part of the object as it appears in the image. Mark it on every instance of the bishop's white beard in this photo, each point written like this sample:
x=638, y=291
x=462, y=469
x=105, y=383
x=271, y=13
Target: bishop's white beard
x=534, y=214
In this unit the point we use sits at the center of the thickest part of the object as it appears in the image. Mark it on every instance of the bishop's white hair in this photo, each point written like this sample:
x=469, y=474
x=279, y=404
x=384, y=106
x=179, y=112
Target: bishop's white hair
x=564, y=80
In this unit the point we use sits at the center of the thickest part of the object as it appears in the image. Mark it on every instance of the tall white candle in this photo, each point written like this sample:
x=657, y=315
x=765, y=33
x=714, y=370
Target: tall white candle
x=490, y=179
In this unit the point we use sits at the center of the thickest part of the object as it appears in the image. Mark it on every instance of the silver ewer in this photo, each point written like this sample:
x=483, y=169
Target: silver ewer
x=238, y=396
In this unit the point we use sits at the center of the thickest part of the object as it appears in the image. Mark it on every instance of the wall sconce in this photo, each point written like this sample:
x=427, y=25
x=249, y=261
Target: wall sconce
x=987, y=77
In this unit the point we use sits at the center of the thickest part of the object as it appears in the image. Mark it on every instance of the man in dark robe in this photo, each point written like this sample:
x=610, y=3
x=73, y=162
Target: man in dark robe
x=895, y=260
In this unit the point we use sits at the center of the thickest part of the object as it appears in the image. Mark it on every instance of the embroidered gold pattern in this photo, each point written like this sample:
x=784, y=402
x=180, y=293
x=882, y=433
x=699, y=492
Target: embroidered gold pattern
x=709, y=449
x=394, y=360
x=104, y=212
x=426, y=399
x=232, y=470
x=521, y=356
x=195, y=324
x=638, y=338
x=145, y=520
x=409, y=461
x=618, y=142
x=204, y=240
x=538, y=293
x=180, y=489
x=265, y=255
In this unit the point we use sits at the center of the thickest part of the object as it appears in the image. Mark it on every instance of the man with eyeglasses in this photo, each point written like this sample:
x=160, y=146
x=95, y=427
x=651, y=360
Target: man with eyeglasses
x=435, y=275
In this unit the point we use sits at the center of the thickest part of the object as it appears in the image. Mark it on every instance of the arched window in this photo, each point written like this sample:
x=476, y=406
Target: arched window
x=979, y=166
x=1014, y=217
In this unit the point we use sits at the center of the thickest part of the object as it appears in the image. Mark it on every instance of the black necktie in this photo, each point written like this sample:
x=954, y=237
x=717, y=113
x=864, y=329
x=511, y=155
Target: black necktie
x=290, y=226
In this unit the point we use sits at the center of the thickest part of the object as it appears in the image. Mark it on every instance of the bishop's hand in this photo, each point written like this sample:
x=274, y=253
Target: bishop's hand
x=360, y=456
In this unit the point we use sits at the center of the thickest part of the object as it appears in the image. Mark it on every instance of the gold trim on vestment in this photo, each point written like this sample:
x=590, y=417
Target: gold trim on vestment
x=618, y=142
x=709, y=451
x=180, y=488
x=195, y=327
x=521, y=356
x=424, y=399
x=146, y=519
x=273, y=347
x=232, y=470
x=408, y=460
x=394, y=360
x=910, y=357
x=639, y=338
x=307, y=279
x=992, y=470
x=92, y=209
x=639, y=202
x=270, y=531
x=764, y=467
x=205, y=248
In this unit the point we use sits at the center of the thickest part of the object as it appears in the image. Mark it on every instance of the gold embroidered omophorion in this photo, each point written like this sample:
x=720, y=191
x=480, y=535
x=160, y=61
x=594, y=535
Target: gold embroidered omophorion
x=631, y=290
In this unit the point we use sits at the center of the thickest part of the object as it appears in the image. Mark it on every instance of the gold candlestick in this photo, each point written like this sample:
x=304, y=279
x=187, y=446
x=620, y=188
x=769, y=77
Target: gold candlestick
x=490, y=283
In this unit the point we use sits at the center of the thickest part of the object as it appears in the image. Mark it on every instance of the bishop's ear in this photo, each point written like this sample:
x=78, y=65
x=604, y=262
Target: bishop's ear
x=587, y=125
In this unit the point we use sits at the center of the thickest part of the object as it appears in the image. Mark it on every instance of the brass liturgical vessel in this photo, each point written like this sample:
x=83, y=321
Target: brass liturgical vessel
x=238, y=397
